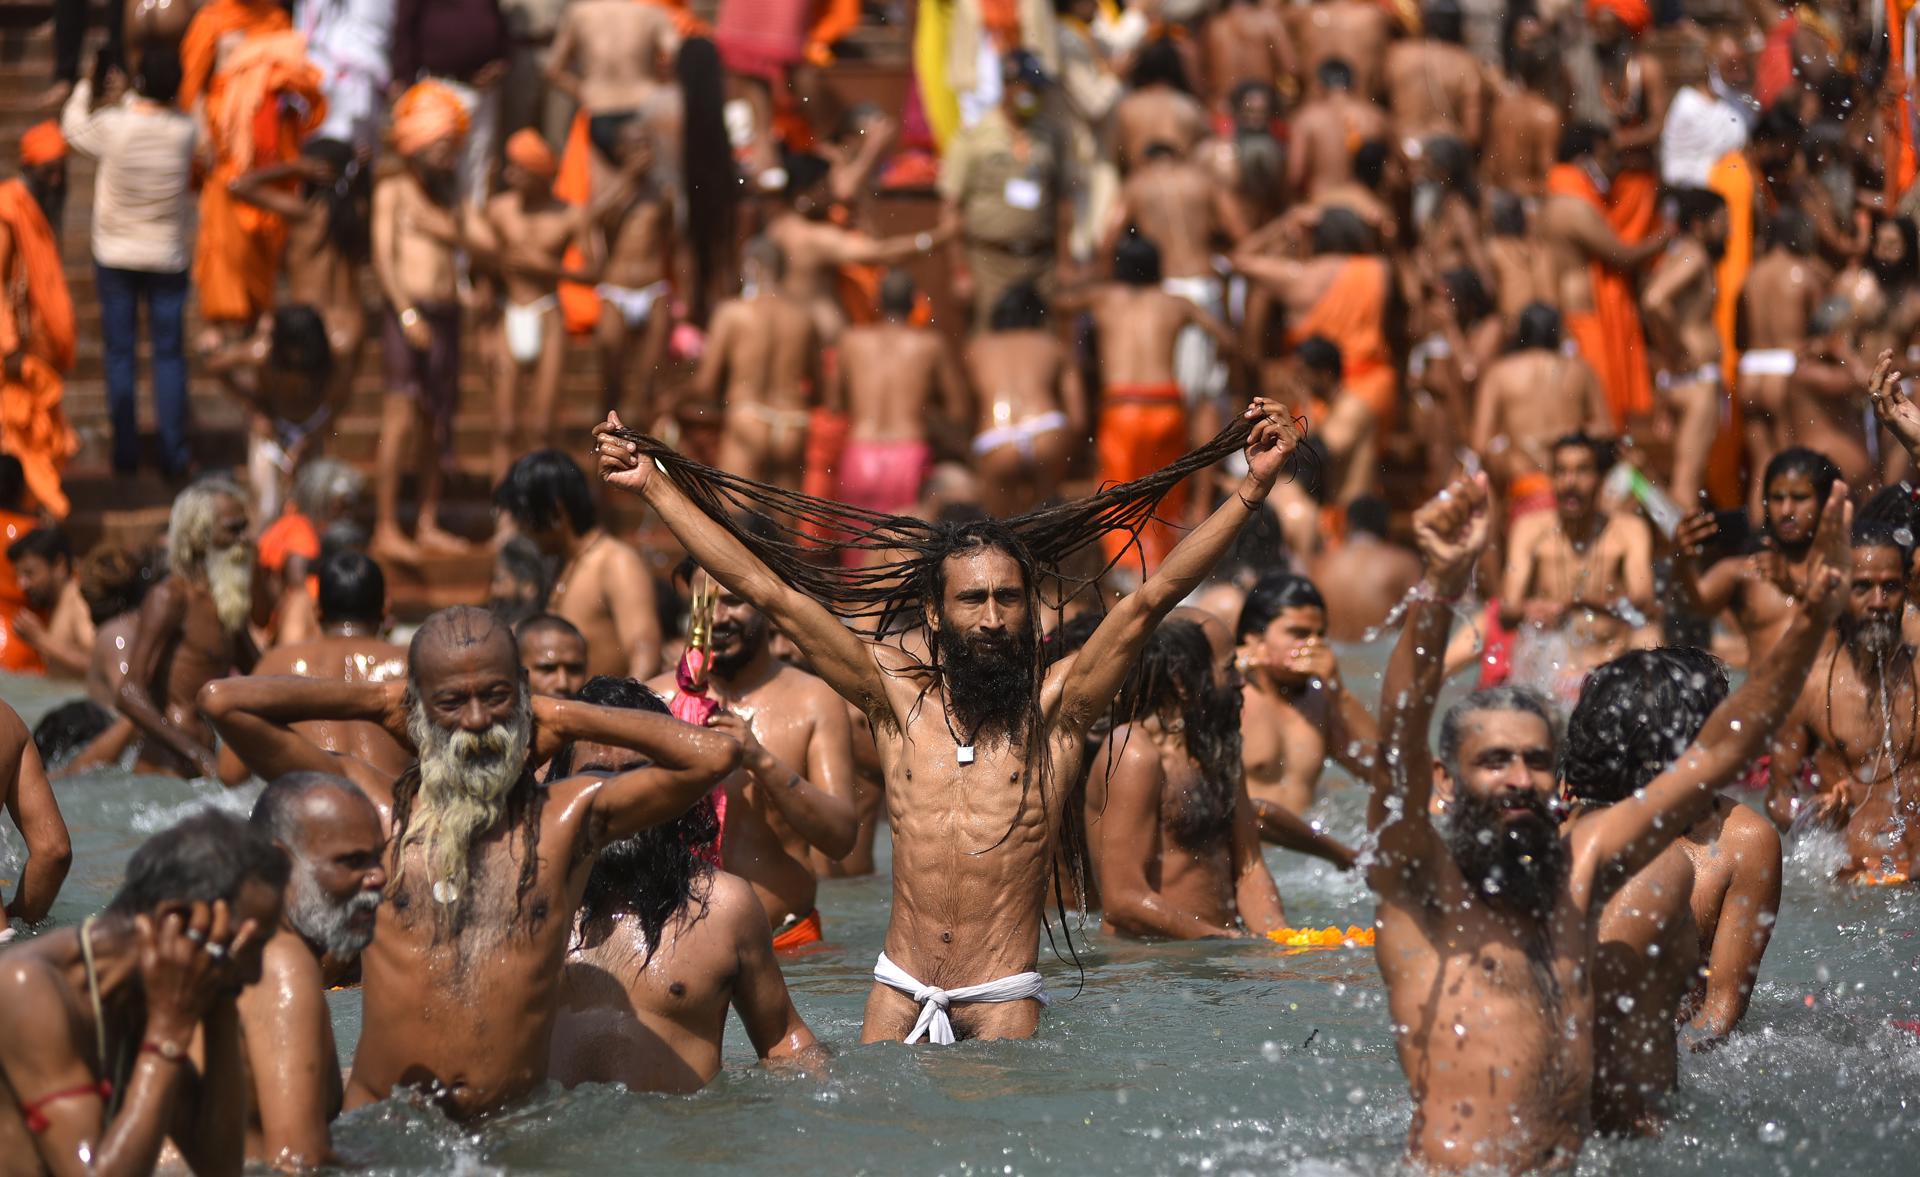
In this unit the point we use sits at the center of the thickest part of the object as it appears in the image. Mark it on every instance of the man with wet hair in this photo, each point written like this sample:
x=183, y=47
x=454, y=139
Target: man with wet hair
x=332, y=835
x=794, y=793
x=1295, y=713
x=554, y=653
x=1170, y=829
x=1486, y=920
x=192, y=628
x=603, y=586
x=979, y=743
x=1793, y=489
x=1852, y=734
x=1682, y=939
x=56, y=622
x=665, y=942
x=486, y=866
x=99, y=1023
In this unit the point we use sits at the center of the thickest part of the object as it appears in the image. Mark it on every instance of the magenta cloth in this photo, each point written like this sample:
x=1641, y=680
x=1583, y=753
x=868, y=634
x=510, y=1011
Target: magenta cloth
x=883, y=476
x=690, y=702
x=761, y=38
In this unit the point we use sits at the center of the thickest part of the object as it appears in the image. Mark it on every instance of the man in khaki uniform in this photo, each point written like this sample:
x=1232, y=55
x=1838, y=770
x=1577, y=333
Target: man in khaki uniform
x=1003, y=183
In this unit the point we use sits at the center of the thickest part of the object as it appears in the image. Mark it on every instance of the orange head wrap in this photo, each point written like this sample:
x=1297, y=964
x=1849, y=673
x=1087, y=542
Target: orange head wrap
x=1635, y=15
x=43, y=143
x=426, y=114
x=527, y=151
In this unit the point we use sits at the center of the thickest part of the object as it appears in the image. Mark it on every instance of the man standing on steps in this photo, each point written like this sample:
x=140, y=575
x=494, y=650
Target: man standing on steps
x=142, y=243
x=37, y=341
x=415, y=233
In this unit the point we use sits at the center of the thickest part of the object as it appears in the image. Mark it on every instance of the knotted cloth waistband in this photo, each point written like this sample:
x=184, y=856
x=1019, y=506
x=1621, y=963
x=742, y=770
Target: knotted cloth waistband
x=932, y=1023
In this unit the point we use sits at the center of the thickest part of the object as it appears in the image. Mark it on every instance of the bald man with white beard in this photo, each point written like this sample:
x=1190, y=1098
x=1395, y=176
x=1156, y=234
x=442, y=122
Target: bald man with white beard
x=487, y=866
x=192, y=628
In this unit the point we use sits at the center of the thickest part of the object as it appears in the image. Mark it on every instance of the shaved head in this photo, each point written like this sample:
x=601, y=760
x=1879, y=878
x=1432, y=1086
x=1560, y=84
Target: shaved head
x=464, y=635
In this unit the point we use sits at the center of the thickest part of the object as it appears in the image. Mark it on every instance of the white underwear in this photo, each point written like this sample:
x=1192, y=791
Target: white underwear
x=635, y=306
x=1768, y=361
x=1433, y=347
x=932, y=1023
x=1020, y=435
x=526, y=326
x=1705, y=374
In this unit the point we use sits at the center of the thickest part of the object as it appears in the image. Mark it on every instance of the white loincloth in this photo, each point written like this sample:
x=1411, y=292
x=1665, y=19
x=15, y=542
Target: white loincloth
x=932, y=1023
x=1768, y=361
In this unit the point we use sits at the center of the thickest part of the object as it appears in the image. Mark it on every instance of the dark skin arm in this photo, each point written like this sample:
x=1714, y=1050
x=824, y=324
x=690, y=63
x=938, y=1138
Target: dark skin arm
x=210, y=1125
x=161, y=616
x=1746, y=925
x=761, y=999
x=264, y=188
x=687, y=761
x=255, y=718
x=819, y=805
x=1255, y=895
x=290, y=1057
x=30, y=803
x=1703, y=594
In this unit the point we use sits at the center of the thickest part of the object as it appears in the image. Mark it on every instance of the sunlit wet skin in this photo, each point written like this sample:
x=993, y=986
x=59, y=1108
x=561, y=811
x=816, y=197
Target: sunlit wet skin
x=1644, y=963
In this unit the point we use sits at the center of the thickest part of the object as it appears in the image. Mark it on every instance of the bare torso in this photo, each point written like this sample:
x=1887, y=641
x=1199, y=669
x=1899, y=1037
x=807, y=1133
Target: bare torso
x=1324, y=135
x=1354, y=31
x=583, y=594
x=541, y=230
x=1137, y=327
x=889, y=370
x=1523, y=273
x=1527, y=423
x=1868, y=744
x=1523, y=130
x=422, y=263
x=1158, y=114
x=1196, y=881
x=1433, y=88
x=1173, y=204
x=1015, y=375
x=617, y=48
x=1372, y=577
x=1284, y=745
x=347, y=659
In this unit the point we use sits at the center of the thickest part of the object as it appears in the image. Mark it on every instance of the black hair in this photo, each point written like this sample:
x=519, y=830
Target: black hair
x=805, y=172
x=209, y=856
x=1897, y=275
x=1339, y=230
x=347, y=197
x=1071, y=634
x=1636, y=715
x=13, y=482
x=542, y=621
x=1819, y=470
x=1696, y=206
x=542, y=486
x=709, y=175
x=275, y=812
x=1601, y=449
x=1468, y=294
x=1174, y=679
x=351, y=589
x=1453, y=159
x=656, y=874
x=1779, y=125
x=1443, y=20
x=158, y=75
x=1538, y=328
x=65, y=732
x=1272, y=595
x=1579, y=139
x=1319, y=354
x=1370, y=163
x=1136, y=261
x=114, y=580
x=523, y=563
x=1888, y=520
x=1506, y=215
x=1160, y=149
x=897, y=294
x=49, y=543
x=1019, y=308
x=1159, y=64
x=1368, y=515
x=1453, y=723
x=297, y=341
x=1335, y=74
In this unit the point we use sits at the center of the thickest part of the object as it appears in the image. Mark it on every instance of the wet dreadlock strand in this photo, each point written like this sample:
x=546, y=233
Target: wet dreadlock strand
x=887, y=591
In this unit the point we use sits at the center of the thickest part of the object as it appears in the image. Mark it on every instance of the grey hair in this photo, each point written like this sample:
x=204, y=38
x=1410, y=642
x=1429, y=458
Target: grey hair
x=325, y=481
x=277, y=812
x=1525, y=700
x=190, y=526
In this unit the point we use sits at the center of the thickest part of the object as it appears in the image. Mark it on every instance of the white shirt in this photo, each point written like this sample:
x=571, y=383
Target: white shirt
x=1701, y=127
x=143, y=213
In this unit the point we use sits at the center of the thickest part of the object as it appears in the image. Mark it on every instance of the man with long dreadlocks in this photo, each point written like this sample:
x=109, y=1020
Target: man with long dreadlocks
x=666, y=941
x=486, y=866
x=978, y=742
x=1170, y=828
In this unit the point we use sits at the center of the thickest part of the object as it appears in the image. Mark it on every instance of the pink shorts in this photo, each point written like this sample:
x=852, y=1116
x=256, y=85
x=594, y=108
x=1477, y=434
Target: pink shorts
x=884, y=476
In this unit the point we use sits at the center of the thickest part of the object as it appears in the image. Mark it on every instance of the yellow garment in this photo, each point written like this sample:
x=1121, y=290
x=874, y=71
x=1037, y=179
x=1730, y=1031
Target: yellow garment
x=937, y=95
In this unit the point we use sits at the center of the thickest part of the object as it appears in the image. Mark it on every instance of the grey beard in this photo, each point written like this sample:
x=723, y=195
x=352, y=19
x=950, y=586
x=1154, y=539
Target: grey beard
x=326, y=922
x=230, y=581
x=1876, y=637
x=466, y=780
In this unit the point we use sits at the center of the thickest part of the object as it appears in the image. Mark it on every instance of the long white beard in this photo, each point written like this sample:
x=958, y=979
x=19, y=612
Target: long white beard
x=230, y=580
x=466, y=779
x=326, y=921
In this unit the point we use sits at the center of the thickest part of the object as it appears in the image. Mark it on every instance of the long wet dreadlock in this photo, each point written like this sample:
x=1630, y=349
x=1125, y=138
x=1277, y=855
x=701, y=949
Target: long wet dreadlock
x=802, y=540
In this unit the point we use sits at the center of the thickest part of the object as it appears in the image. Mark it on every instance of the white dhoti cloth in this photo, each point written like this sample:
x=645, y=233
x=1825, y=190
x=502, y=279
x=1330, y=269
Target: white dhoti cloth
x=932, y=1024
x=1196, y=358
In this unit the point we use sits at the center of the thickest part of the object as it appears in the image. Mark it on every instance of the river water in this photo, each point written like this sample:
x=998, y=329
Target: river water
x=1213, y=1057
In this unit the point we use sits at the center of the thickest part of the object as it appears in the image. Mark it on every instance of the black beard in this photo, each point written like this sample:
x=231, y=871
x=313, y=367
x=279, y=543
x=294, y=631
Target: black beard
x=753, y=639
x=1894, y=276
x=1716, y=249
x=1205, y=815
x=443, y=188
x=1522, y=866
x=989, y=683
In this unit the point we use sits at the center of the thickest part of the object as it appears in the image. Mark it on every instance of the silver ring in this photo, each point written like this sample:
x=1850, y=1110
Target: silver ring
x=216, y=951
x=196, y=935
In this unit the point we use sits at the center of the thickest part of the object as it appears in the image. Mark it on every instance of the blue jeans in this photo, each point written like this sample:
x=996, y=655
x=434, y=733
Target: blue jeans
x=121, y=292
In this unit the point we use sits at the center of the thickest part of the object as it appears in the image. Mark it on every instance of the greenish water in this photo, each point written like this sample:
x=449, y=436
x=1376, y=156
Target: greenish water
x=1211, y=1057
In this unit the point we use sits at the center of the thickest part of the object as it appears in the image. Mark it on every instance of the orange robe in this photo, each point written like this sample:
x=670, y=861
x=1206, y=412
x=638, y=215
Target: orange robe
x=33, y=425
x=237, y=255
x=1609, y=335
x=1143, y=428
x=1352, y=315
x=1633, y=206
x=15, y=655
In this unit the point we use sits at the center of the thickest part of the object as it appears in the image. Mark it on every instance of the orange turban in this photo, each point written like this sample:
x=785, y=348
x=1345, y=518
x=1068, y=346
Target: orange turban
x=426, y=114
x=43, y=143
x=527, y=151
x=1635, y=15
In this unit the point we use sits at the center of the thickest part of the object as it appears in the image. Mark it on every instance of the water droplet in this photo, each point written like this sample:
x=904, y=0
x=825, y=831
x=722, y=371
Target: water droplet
x=1772, y=1133
x=1270, y=1050
x=1459, y=1030
x=1625, y=1003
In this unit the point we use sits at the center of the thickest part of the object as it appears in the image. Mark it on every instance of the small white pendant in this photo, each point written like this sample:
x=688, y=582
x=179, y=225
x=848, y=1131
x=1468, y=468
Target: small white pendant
x=964, y=754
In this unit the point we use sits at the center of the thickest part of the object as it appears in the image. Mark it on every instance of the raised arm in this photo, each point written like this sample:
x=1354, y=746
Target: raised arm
x=684, y=762
x=1617, y=841
x=1703, y=594
x=255, y=716
x=1452, y=533
x=30, y=803
x=838, y=654
x=1090, y=681
x=1894, y=407
x=261, y=188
